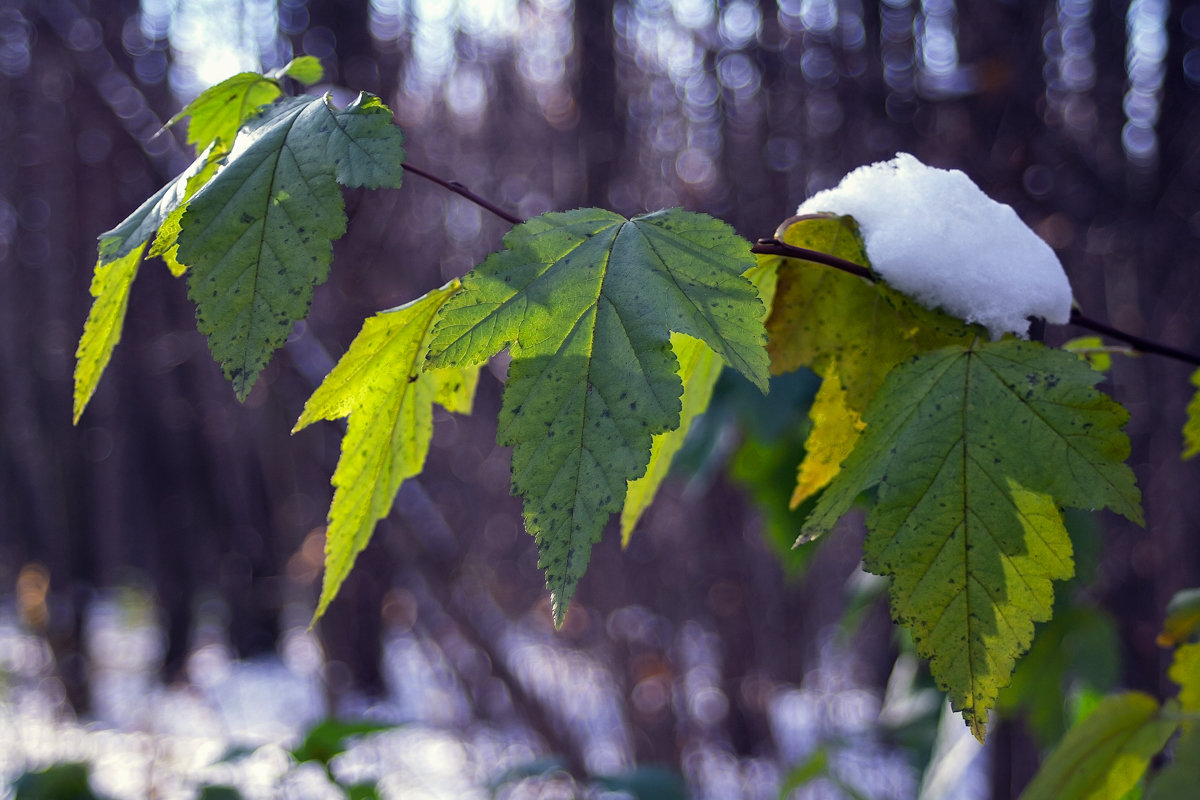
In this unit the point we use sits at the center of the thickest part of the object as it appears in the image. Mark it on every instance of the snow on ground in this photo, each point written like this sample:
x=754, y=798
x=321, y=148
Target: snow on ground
x=934, y=235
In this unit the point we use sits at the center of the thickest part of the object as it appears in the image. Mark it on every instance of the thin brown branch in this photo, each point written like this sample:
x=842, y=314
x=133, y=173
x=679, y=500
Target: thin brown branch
x=458, y=188
x=774, y=247
x=1136, y=342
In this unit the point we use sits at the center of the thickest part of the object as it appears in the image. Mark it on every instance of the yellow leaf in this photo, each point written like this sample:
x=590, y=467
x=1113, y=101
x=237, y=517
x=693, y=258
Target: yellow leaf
x=110, y=288
x=835, y=431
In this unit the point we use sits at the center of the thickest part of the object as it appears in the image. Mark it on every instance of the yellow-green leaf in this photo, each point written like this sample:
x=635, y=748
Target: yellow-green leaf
x=219, y=111
x=1105, y=754
x=306, y=69
x=836, y=428
x=110, y=288
x=973, y=449
x=382, y=384
x=699, y=368
x=1185, y=671
x=1092, y=350
x=1191, y=428
x=1183, y=618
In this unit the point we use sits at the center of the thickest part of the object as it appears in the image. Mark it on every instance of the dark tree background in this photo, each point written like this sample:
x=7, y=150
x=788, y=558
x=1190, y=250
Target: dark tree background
x=1082, y=114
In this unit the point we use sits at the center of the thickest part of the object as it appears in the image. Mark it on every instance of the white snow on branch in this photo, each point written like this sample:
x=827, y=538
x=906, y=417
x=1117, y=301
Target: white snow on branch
x=934, y=235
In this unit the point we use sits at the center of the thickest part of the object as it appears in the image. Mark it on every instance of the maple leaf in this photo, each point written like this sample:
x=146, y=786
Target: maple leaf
x=845, y=328
x=381, y=383
x=1104, y=755
x=258, y=236
x=699, y=369
x=587, y=300
x=973, y=449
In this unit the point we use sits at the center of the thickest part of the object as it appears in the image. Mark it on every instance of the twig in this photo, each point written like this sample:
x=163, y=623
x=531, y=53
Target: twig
x=458, y=188
x=1136, y=342
x=774, y=247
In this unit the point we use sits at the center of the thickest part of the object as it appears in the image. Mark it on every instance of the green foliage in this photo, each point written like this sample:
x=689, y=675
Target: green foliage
x=1105, y=755
x=332, y=737
x=1181, y=777
x=382, y=385
x=586, y=301
x=258, y=237
x=1183, y=618
x=110, y=288
x=65, y=781
x=1191, y=428
x=848, y=330
x=972, y=450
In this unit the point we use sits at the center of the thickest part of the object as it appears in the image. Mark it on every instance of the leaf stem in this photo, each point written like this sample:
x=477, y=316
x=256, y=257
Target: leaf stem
x=458, y=188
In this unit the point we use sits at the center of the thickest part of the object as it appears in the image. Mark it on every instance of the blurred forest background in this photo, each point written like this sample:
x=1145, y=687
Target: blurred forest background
x=1082, y=114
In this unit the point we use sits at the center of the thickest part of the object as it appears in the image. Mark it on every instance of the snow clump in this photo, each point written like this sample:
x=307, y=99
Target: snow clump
x=934, y=235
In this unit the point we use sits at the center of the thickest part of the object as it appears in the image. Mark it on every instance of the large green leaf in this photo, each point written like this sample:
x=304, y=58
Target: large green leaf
x=587, y=301
x=1106, y=753
x=382, y=385
x=258, y=237
x=972, y=450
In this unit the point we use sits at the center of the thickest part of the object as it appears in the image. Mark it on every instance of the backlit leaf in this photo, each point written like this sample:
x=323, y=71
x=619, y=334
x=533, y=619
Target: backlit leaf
x=110, y=288
x=1191, y=428
x=587, y=301
x=381, y=383
x=835, y=430
x=699, y=369
x=1185, y=671
x=258, y=237
x=306, y=69
x=972, y=451
x=1105, y=754
x=217, y=113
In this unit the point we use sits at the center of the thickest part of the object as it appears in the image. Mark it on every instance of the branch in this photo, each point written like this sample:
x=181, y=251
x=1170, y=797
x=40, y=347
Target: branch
x=774, y=247
x=1136, y=342
x=458, y=188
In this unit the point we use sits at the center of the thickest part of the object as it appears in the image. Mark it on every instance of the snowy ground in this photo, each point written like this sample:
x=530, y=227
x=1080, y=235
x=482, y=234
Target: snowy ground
x=150, y=740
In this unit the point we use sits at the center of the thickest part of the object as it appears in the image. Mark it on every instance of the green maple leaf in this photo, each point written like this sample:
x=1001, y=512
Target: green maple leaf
x=258, y=237
x=699, y=369
x=382, y=385
x=972, y=450
x=586, y=301
x=1191, y=428
x=1105, y=754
